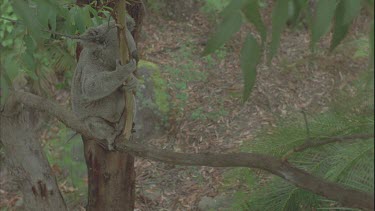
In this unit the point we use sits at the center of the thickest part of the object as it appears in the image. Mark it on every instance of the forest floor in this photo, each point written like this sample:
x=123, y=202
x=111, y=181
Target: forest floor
x=210, y=116
x=214, y=119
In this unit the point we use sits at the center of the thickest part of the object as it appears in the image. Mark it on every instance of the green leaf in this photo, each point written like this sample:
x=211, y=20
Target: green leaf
x=346, y=11
x=52, y=20
x=86, y=16
x=28, y=17
x=28, y=60
x=352, y=9
x=29, y=43
x=372, y=45
x=325, y=11
x=43, y=12
x=279, y=18
x=78, y=19
x=233, y=7
x=224, y=32
x=295, y=9
x=251, y=11
x=250, y=57
x=340, y=29
x=11, y=65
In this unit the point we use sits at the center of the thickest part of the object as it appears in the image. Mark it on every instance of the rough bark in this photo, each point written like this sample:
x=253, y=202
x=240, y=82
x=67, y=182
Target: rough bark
x=27, y=161
x=111, y=178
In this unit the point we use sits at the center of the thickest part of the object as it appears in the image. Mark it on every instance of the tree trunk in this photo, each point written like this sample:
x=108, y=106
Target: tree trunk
x=111, y=175
x=111, y=179
x=27, y=161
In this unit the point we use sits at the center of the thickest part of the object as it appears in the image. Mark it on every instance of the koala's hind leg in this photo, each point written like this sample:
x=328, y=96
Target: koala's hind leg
x=102, y=130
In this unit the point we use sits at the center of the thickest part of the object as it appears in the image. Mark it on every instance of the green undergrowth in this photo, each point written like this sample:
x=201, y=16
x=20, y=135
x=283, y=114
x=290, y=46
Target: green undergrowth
x=160, y=102
x=66, y=157
x=172, y=85
x=186, y=71
x=350, y=164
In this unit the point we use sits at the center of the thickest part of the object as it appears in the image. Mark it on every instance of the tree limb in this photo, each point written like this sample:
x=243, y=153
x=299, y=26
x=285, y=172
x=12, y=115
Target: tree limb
x=330, y=140
x=317, y=143
x=346, y=196
x=120, y=16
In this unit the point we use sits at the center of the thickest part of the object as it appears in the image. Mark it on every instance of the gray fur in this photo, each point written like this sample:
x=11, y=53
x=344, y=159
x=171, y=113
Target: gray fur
x=97, y=88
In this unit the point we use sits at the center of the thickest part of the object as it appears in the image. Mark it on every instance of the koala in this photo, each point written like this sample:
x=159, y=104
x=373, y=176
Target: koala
x=98, y=82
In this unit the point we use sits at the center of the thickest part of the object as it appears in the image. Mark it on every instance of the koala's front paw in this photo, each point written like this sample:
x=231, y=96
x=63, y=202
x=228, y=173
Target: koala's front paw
x=131, y=84
x=129, y=68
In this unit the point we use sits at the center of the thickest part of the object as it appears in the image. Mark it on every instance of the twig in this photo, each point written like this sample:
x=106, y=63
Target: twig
x=330, y=140
x=324, y=141
x=8, y=19
x=81, y=37
x=306, y=124
x=75, y=37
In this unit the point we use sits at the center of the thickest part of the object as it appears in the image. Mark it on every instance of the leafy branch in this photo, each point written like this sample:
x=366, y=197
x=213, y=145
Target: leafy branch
x=339, y=13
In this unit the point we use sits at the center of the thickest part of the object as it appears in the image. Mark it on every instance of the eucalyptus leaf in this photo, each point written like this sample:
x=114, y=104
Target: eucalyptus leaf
x=30, y=44
x=79, y=19
x=250, y=57
x=279, y=19
x=29, y=61
x=224, y=32
x=86, y=16
x=251, y=11
x=28, y=17
x=43, y=13
x=352, y=9
x=346, y=11
x=325, y=11
x=340, y=28
x=52, y=20
x=233, y=7
x=296, y=7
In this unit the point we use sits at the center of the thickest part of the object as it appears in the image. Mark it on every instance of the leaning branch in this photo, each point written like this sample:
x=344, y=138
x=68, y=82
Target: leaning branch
x=329, y=140
x=346, y=196
x=120, y=17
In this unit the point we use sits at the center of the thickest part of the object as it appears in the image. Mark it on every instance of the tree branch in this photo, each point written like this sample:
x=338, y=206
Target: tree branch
x=120, y=17
x=330, y=140
x=317, y=143
x=53, y=109
x=346, y=196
